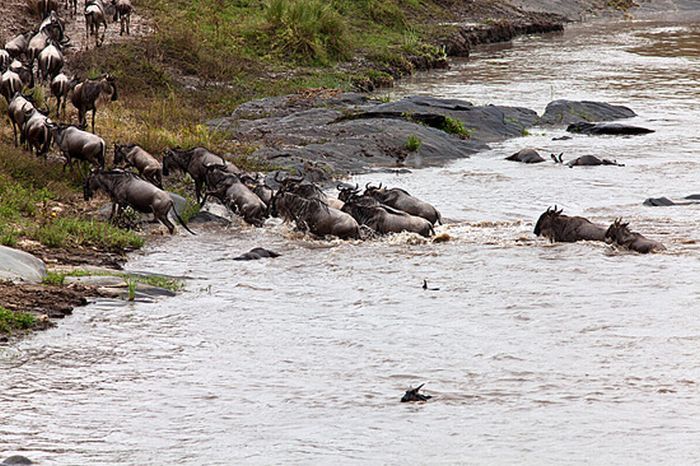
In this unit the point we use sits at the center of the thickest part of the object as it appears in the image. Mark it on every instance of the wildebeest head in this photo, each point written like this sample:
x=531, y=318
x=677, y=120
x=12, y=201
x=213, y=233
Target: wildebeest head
x=90, y=185
x=413, y=395
x=108, y=83
x=618, y=232
x=120, y=151
x=547, y=220
x=346, y=192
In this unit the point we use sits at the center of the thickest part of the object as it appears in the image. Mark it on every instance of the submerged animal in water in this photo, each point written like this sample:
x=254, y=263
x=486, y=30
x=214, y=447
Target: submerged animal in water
x=585, y=161
x=413, y=395
x=562, y=228
x=620, y=234
x=528, y=155
x=255, y=254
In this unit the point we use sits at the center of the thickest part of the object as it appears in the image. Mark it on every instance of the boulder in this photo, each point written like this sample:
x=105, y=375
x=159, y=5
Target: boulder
x=565, y=112
x=18, y=265
x=612, y=129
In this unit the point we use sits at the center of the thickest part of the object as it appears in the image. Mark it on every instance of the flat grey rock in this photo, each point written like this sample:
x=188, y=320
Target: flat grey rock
x=21, y=266
x=565, y=112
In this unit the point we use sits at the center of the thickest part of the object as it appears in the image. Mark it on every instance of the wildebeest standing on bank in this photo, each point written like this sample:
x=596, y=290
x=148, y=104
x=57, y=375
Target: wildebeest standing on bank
x=125, y=189
x=46, y=7
x=71, y=6
x=18, y=44
x=134, y=156
x=95, y=16
x=24, y=71
x=402, y=200
x=36, y=131
x=5, y=60
x=562, y=228
x=620, y=234
x=61, y=86
x=230, y=190
x=10, y=84
x=50, y=62
x=17, y=111
x=77, y=144
x=315, y=216
x=122, y=13
x=195, y=162
x=92, y=93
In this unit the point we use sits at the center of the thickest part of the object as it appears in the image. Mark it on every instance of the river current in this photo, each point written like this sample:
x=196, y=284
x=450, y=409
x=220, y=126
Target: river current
x=534, y=353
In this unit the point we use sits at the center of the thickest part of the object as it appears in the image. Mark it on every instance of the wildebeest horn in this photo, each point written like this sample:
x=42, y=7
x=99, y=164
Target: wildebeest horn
x=367, y=185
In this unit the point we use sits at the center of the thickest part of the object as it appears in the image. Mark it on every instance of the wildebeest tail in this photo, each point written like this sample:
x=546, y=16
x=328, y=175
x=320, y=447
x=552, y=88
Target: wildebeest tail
x=103, y=153
x=182, y=222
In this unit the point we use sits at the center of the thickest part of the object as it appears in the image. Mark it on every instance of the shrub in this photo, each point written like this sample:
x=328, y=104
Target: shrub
x=454, y=126
x=11, y=320
x=413, y=143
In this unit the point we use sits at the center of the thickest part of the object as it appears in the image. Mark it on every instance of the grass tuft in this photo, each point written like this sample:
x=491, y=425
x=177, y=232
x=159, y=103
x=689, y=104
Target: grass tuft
x=11, y=321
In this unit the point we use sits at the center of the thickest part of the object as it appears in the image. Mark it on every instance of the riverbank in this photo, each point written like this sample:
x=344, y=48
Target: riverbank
x=179, y=76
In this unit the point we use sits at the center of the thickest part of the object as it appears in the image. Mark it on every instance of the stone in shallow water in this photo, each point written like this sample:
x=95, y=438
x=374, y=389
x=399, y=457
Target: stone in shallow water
x=565, y=112
x=18, y=265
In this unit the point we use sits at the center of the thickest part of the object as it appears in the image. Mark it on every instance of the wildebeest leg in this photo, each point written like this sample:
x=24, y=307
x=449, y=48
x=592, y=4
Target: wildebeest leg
x=164, y=220
x=93, y=120
x=198, y=193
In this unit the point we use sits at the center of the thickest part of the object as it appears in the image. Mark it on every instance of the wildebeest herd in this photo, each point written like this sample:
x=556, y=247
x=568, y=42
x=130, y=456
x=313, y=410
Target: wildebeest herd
x=37, y=56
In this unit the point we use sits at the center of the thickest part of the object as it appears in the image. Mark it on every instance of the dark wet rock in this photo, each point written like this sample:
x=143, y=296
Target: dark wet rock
x=18, y=265
x=528, y=155
x=205, y=218
x=615, y=129
x=693, y=199
x=17, y=460
x=414, y=395
x=255, y=254
x=565, y=112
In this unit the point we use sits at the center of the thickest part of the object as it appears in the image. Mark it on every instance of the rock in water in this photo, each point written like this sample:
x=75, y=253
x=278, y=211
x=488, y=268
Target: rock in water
x=17, y=460
x=20, y=266
x=565, y=112
x=615, y=129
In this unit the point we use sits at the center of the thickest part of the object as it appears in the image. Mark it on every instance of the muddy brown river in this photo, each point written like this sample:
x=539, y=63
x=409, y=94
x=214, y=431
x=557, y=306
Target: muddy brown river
x=535, y=353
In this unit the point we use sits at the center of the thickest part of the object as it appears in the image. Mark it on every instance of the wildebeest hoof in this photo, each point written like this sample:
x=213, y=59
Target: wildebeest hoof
x=413, y=395
x=17, y=460
x=255, y=254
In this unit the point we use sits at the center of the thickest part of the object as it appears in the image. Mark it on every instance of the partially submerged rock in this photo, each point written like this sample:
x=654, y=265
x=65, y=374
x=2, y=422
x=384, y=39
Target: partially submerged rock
x=17, y=460
x=614, y=129
x=666, y=202
x=16, y=265
x=565, y=112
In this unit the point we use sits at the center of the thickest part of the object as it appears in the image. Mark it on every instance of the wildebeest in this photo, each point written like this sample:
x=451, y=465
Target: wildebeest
x=527, y=155
x=77, y=144
x=122, y=13
x=134, y=156
x=585, y=161
x=616, y=129
x=24, y=71
x=620, y=234
x=562, y=228
x=402, y=200
x=92, y=93
x=17, y=111
x=46, y=7
x=260, y=188
x=255, y=254
x=95, y=16
x=71, y=6
x=194, y=162
x=61, y=86
x=315, y=216
x=50, y=62
x=666, y=202
x=37, y=43
x=413, y=395
x=384, y=219
x=230, y=190
x=53, y=26
x=126, y=189
x=18, y=44
x=36, y=130
x=10, y=84
x=307, y=189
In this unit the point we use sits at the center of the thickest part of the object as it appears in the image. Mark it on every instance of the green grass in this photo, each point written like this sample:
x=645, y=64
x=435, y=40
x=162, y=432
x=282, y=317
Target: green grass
x=11, y=321
x=413, y=143
x=456, y=127
x=172, y=284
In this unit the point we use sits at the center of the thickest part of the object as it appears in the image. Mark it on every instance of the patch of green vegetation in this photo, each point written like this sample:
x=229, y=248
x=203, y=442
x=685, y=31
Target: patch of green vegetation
x=172, y=284
x=54, y=278
x=11, y=321
x=525, y=132
x=62, y=232
x=413, y=143
x=456, y=127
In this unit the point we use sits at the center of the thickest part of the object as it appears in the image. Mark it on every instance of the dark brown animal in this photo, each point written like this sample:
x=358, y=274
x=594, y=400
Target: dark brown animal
x=61, y=87
x=77, y=144
x=384, y=219
x=91, y=94
x=230, y=190
x=562, y=228
x=122, y=13
x=585, y=161
x=316, y=217
x=402, y=200
x=95, y=17
x=147, y=165
x=619, y=233
x=413, y=395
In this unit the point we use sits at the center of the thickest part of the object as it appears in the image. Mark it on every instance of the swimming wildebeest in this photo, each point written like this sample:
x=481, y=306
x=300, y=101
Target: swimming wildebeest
x=122, y=13
x=194, y=162
x=75, y=143
x=315, y=216
x=95, y=16
x=620, y=234
x=527, y=155
x=50, y=61
x=301, y=187
x=402, y=200
x=585, y=161
x=126, y=189
x=35, y=131
x=230, y=190
x=147, y=165
x=92, y=93
x=17, y=111
x=384, y=219
x=61, y=86
x=413, y=395
x=255, y=254
x=562, y=228
x=616, y=129
x=17, y=46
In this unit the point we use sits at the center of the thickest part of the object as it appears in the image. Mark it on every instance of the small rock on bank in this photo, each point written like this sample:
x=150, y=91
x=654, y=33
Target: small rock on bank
x=18, y=265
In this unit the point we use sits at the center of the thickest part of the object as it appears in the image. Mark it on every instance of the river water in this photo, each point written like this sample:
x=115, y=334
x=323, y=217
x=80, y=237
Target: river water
x=534, y=352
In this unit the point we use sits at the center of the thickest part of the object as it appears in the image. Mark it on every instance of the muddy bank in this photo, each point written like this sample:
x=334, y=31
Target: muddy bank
x=329, y=133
